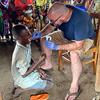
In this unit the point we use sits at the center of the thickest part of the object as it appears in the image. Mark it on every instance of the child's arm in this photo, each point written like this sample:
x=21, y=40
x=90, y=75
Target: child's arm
x=31, y=69
x=34, y=66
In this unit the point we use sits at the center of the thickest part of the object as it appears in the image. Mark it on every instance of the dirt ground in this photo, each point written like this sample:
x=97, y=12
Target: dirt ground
x=62, y=78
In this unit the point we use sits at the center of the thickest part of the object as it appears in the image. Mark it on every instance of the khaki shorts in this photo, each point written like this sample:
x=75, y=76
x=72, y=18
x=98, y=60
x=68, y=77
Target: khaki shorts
x=58, y=38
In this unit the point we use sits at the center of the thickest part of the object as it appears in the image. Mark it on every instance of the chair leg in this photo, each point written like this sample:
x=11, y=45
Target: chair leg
x=94, y=67
x=60, y=60
x=95, y=62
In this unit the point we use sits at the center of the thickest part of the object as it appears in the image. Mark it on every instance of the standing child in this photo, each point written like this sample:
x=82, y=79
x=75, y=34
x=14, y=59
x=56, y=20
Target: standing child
x=24, y=73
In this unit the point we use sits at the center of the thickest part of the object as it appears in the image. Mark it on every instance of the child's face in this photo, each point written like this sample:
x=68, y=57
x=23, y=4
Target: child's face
x=25, y=37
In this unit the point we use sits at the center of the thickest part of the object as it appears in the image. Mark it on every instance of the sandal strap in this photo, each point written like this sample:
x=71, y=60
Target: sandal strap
x=76, y=94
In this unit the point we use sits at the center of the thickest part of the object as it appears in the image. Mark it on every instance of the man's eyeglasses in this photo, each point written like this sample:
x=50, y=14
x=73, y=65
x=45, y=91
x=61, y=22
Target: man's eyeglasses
x=53, y=22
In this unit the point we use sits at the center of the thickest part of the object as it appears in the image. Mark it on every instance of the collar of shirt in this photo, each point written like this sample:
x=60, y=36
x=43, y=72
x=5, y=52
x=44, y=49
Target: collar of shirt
x=22, y=45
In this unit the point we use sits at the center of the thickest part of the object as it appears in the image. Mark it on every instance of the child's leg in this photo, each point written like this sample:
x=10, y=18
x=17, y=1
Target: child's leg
x=46, y=78
x=16, y=92
x=49, y=85
x=40, y=85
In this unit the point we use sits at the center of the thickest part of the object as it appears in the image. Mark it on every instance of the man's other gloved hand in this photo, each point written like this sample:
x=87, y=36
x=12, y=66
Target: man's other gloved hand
x=36, y=35
x=51, y=45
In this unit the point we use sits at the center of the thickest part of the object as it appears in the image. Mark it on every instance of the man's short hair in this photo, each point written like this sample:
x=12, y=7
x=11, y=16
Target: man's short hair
x=57, y=8
x=17, y=29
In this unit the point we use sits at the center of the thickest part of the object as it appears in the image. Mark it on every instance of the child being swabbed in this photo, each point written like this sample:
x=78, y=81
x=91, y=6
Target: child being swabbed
x=25, y=73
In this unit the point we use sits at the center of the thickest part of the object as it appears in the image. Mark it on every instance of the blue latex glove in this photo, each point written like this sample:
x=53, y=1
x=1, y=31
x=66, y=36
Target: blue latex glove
x=51, y=45
x=36, y=35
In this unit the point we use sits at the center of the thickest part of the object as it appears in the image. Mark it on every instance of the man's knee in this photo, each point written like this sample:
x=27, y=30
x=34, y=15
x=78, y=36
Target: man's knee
x=74, y=55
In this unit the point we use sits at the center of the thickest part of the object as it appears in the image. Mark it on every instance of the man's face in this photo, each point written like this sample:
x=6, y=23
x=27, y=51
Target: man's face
x=25, y=37
x=57, y=20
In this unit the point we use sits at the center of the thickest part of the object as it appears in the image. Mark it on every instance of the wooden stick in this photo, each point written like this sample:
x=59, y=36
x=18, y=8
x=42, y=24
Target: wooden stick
x=37, y=65
x=97, y=83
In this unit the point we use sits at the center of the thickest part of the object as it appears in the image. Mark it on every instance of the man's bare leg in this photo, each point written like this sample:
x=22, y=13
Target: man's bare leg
x=76, y=68
x=48, y=63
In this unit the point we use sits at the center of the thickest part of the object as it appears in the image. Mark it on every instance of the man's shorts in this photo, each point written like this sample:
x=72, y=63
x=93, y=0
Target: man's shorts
x=58, y=38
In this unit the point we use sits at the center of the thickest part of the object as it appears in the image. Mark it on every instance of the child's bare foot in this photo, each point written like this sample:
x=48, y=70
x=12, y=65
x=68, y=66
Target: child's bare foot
x=42, y=74
x=17, y=92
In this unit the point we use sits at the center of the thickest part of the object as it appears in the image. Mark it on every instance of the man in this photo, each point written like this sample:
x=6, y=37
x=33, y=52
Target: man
x=77, y=29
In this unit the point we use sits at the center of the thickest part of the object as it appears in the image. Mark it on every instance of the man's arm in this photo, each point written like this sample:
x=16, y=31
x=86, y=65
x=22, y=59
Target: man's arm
x=71, y=46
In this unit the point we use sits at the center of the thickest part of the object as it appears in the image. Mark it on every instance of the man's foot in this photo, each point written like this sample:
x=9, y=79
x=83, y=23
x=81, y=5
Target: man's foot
x=46, y=65
x=73, y=94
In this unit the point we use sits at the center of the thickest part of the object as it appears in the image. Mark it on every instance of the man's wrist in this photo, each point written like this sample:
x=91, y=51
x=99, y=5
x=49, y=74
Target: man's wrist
x=59, y=47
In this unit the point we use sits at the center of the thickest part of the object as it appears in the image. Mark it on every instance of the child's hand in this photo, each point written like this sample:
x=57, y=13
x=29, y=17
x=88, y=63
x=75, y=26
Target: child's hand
x=42, y=74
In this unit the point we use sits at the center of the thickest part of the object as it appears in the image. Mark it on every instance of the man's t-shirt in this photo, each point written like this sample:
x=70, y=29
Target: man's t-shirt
x=79, y=27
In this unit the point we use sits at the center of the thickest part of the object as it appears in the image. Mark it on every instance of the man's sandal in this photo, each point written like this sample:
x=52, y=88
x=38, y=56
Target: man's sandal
x=76, y=94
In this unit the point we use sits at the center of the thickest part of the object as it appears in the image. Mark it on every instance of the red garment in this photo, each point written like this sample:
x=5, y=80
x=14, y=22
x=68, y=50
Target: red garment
x=20, y=4
x=29, y=1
